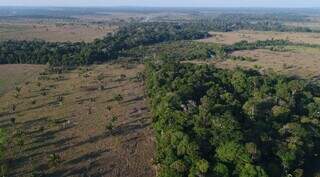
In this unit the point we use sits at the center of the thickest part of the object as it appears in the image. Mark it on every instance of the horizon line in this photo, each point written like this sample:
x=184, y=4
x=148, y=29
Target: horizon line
x=146, y=6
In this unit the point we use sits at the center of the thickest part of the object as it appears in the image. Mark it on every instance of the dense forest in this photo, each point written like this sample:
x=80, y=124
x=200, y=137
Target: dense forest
x=213, y=122
x=258, y=22
x=101, y=50
x=245, y=45
x=178, y=50
x=192, y=50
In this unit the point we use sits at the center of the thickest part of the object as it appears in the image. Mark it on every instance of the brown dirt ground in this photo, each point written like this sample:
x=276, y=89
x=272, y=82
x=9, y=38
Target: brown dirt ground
x=251, y=36
x=11, y=75
x=53, y=33
x=69, y=131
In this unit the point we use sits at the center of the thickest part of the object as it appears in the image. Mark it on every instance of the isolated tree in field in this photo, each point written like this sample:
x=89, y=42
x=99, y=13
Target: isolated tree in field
x=33, y=102
x=109, y=108
x=18, y=89
x=110, y=125
x=123, y=76
x=118, y=97
x=13, y=107
x=100, y=78
x=60, y=99
x=54, y=160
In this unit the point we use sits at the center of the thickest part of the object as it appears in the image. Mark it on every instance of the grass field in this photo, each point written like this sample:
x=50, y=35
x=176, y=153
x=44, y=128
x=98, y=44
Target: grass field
x=68, y=125
x=53, y=32
x=299, y=61
x=251, y=36
x=301, y=64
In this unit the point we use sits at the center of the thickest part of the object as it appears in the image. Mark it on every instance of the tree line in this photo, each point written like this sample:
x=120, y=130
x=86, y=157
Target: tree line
x=214, y=122
x=259, y=22
x=110, y=47
x=191, y=50
x=260, y=44
x=178, y=50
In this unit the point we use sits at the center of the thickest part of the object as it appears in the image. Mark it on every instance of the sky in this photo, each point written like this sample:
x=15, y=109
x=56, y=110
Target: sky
x=166, y=3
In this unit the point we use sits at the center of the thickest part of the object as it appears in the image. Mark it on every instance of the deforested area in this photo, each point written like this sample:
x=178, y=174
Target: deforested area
x=129, y=89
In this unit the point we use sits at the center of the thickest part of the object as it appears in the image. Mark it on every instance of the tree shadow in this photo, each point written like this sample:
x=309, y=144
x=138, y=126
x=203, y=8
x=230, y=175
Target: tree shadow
x=138, y=98
x=131, y=127
x=61, y=94
x=29, y=109
x=60, y=142
x=80, y=166
x=30, y=97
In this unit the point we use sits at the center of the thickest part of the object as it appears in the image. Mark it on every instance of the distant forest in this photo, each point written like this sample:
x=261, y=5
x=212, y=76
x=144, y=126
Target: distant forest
x=133, y=35
x=101, y=50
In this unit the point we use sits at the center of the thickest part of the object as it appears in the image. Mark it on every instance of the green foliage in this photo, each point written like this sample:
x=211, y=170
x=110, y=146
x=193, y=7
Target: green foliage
x=110, y=125
x=179, y=166
x=54, y=160
x=202, y=166
x=234, y=21
x=213, y=122
x=243, y=58
x=117, y=97
x=228, y=152
x=245, y=45
x=249, y=170
x=101, y=50
x=221, y=170
x=179, y=50
x=3, y=141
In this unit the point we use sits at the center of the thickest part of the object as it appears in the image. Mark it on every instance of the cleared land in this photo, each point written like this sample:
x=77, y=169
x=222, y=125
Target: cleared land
x=304, y=64
x=68, y=125
x=252, y=36
x=12, y=75
x=294, y=63
x=53, y=32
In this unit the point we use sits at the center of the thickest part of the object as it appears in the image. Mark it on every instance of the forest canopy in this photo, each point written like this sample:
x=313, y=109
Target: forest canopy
x=213, y=122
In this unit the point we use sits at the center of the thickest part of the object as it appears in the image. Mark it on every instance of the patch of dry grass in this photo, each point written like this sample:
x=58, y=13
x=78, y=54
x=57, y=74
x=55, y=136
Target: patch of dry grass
x=66, y=128
x=252, y=36
x=12, y=75
x=53, y=32
x=294, y=63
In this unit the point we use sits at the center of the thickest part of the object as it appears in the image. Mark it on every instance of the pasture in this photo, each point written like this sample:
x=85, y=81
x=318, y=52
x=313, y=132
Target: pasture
x=60, y=32
x=89, y=121
x=252, y=36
